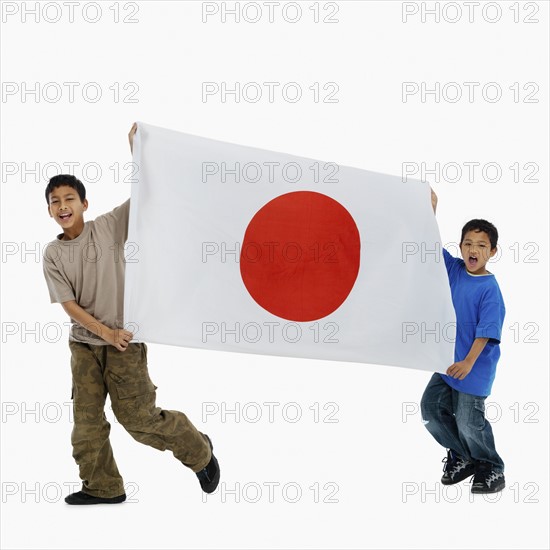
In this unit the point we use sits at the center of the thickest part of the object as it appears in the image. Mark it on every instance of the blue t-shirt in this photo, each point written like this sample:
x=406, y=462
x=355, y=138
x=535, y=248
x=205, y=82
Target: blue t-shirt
x=480, y=311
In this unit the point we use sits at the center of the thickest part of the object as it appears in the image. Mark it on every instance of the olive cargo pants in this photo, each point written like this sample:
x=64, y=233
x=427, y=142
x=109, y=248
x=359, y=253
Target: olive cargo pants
x=98, y=370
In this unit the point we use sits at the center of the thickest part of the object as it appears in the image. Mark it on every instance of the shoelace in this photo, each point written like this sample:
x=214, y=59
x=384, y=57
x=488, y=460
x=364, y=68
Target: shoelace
x=204, y=474
x=454, y=466
x=486, y=475
x=447, y=462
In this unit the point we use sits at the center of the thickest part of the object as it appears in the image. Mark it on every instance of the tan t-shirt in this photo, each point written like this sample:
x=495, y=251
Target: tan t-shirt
x=90, y=270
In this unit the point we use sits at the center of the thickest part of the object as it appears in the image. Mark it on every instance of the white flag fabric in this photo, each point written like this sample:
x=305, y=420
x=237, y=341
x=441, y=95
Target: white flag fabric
x=241, y=249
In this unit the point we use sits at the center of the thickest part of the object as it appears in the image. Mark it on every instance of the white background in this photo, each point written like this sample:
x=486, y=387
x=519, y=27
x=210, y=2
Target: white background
x=382, y=466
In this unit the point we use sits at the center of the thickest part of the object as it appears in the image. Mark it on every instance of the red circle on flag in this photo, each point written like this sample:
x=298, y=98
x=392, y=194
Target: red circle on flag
x=300, y=256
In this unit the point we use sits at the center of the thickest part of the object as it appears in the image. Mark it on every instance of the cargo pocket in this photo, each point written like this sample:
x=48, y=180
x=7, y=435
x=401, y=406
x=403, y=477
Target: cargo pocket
x=477, y=415
x=134, y=401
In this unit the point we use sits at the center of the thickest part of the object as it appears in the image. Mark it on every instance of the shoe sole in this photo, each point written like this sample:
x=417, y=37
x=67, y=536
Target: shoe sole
x=97, y=500
x=477, y=491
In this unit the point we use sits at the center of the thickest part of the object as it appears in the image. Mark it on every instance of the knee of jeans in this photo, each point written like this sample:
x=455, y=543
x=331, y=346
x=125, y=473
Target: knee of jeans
x=428, y=411
x=134, y=402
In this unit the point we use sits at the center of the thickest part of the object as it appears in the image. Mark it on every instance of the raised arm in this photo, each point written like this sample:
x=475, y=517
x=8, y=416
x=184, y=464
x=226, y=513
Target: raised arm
x=434, y=199
x=131, y=134
x=119, y=338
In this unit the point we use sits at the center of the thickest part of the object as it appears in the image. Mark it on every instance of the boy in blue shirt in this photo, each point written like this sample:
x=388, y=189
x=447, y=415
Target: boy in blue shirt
x=453, y=404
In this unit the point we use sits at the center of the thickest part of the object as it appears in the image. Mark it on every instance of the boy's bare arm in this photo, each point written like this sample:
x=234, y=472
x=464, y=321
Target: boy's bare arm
x=118, y=338
x=131, y=134
x=434, y=199
x=462, y=368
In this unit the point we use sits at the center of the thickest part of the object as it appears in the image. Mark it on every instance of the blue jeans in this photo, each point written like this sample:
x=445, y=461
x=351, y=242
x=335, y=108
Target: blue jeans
x=457, y=421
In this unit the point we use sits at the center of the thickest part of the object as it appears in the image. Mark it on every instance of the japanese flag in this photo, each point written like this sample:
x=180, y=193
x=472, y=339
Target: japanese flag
x=241, y=249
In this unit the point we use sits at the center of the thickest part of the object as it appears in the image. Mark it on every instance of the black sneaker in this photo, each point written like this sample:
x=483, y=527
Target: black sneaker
x=486, y=480
x=209, y=477
x=456, y=468
x=85, y=498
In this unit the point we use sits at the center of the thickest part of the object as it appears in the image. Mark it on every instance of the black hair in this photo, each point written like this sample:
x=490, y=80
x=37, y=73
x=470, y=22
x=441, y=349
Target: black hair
x=481, y=225
x=65, y=179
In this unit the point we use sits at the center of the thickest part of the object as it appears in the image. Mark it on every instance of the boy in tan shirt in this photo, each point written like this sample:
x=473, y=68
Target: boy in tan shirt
x=84, y=270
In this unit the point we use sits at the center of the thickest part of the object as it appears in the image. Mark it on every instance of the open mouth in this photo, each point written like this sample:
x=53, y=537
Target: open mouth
x=65, y=217
x=472, y=261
